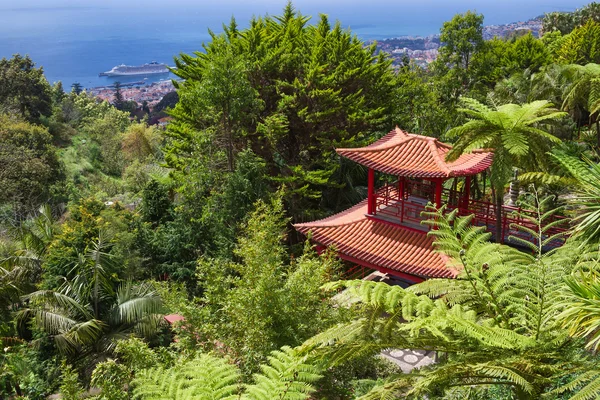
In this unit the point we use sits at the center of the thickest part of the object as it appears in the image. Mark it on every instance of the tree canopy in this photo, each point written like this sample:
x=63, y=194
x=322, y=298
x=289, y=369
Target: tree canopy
x=304, y=89
x=24, y=89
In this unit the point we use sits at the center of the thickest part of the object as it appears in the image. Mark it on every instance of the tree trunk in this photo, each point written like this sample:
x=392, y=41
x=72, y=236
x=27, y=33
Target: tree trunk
x=229, y=141
x=598, y=133
x=498, y=206
x=484, y=178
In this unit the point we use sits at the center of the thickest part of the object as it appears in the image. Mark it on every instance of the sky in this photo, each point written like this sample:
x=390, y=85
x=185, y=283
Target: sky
x=30, y=17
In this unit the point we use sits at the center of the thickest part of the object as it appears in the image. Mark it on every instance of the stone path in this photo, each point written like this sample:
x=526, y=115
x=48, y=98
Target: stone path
x=408, y=360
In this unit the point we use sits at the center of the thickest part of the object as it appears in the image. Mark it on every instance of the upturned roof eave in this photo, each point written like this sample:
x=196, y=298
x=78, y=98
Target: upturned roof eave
x=398, y=141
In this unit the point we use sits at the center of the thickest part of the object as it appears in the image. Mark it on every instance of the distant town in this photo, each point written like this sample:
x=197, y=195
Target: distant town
x=424, y=50
x=139, y=92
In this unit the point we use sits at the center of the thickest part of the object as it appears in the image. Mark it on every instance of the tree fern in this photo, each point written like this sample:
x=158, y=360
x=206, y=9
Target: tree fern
x=515, y=133
x=204, y=378
x=495, y=323
x=587, y=200
x=286, y=376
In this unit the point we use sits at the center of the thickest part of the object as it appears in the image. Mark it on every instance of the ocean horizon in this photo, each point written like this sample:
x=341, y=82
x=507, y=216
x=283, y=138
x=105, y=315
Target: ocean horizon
x=74, y=43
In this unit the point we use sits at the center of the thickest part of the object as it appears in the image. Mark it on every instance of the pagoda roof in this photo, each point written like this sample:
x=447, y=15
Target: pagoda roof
x=379, y=245
x=417, y=156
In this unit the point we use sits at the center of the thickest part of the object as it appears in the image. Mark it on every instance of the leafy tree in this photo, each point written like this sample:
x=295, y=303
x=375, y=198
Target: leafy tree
x=23, y=89
x=513, y=132
x=416, y=104
x=156, y=205
x=222, y=96
x=319, y=87
x=27, y=370
x=76, y=88
x=141, y=141
x=70, y=388
x=565, y=22
x=146, y=107
x=461, y=38
x=118, y=96
x=58, y=93
x=111, y=378
x=31, y=169
x=106, y=133
x=582, y=46
x=528, y=52
x=456, y=64
x=582, y=94
x=211, y=206
x=168, y=101
x=501, y=59
x=80, y=233
x=259, y=304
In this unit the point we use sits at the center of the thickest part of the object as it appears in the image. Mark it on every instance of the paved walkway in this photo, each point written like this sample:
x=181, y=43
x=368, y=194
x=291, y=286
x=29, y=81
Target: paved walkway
x=408, y=360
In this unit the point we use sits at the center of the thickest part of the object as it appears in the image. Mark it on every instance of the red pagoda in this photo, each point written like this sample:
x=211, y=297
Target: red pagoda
x=384, y=232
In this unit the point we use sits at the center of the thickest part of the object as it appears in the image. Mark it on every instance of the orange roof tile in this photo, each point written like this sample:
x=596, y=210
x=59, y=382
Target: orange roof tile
x=406, y=154
x=378, y=244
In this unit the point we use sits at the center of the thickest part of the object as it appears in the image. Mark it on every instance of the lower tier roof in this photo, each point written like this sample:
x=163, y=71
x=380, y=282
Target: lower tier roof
x=376, y=244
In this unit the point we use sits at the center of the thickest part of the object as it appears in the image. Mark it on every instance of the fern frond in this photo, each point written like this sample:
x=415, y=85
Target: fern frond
x=288, y=376
x=204, y=378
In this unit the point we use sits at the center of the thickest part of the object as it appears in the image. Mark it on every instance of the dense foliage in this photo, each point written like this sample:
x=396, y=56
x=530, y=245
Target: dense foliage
x=143, y=262
x=289, y=91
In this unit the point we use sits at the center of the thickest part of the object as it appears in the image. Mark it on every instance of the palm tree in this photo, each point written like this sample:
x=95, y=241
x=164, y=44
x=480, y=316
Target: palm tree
x=527, y=86
x=87, y=315
x=513, y=132
x=32, y=240
x=21, y=268
x=582, y=94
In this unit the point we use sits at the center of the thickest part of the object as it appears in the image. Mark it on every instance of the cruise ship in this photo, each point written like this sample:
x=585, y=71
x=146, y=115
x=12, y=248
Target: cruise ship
x=126, y=70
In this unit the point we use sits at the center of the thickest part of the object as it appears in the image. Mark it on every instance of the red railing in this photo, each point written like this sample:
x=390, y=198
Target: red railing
x=409, y=209
x=357, y=272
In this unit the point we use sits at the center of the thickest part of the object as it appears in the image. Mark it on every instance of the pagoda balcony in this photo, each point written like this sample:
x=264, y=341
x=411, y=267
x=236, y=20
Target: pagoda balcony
x=406, y=210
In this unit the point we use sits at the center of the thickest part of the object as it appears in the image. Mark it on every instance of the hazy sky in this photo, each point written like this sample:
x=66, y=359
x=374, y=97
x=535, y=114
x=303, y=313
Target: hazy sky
x=21, y=13
x=300, y=4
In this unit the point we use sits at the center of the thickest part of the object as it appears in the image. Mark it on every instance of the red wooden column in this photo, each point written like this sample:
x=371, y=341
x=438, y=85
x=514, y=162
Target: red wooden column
x=466, y=193
x=401, y=196
x=401, y=188
x=438, y=192
x=371, y=189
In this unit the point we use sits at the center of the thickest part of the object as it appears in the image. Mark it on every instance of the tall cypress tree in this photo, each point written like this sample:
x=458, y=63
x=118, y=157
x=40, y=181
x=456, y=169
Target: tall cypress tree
x=290, y=91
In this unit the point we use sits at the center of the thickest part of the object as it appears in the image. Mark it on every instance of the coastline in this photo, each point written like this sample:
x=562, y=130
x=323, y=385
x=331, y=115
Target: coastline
x=420, y=49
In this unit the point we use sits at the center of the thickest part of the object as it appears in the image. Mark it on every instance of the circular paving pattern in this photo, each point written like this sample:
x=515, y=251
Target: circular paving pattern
x=408, y=359
x=411, y=358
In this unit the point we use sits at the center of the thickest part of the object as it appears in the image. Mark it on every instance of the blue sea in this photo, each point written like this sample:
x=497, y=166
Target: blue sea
x=75, y=40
